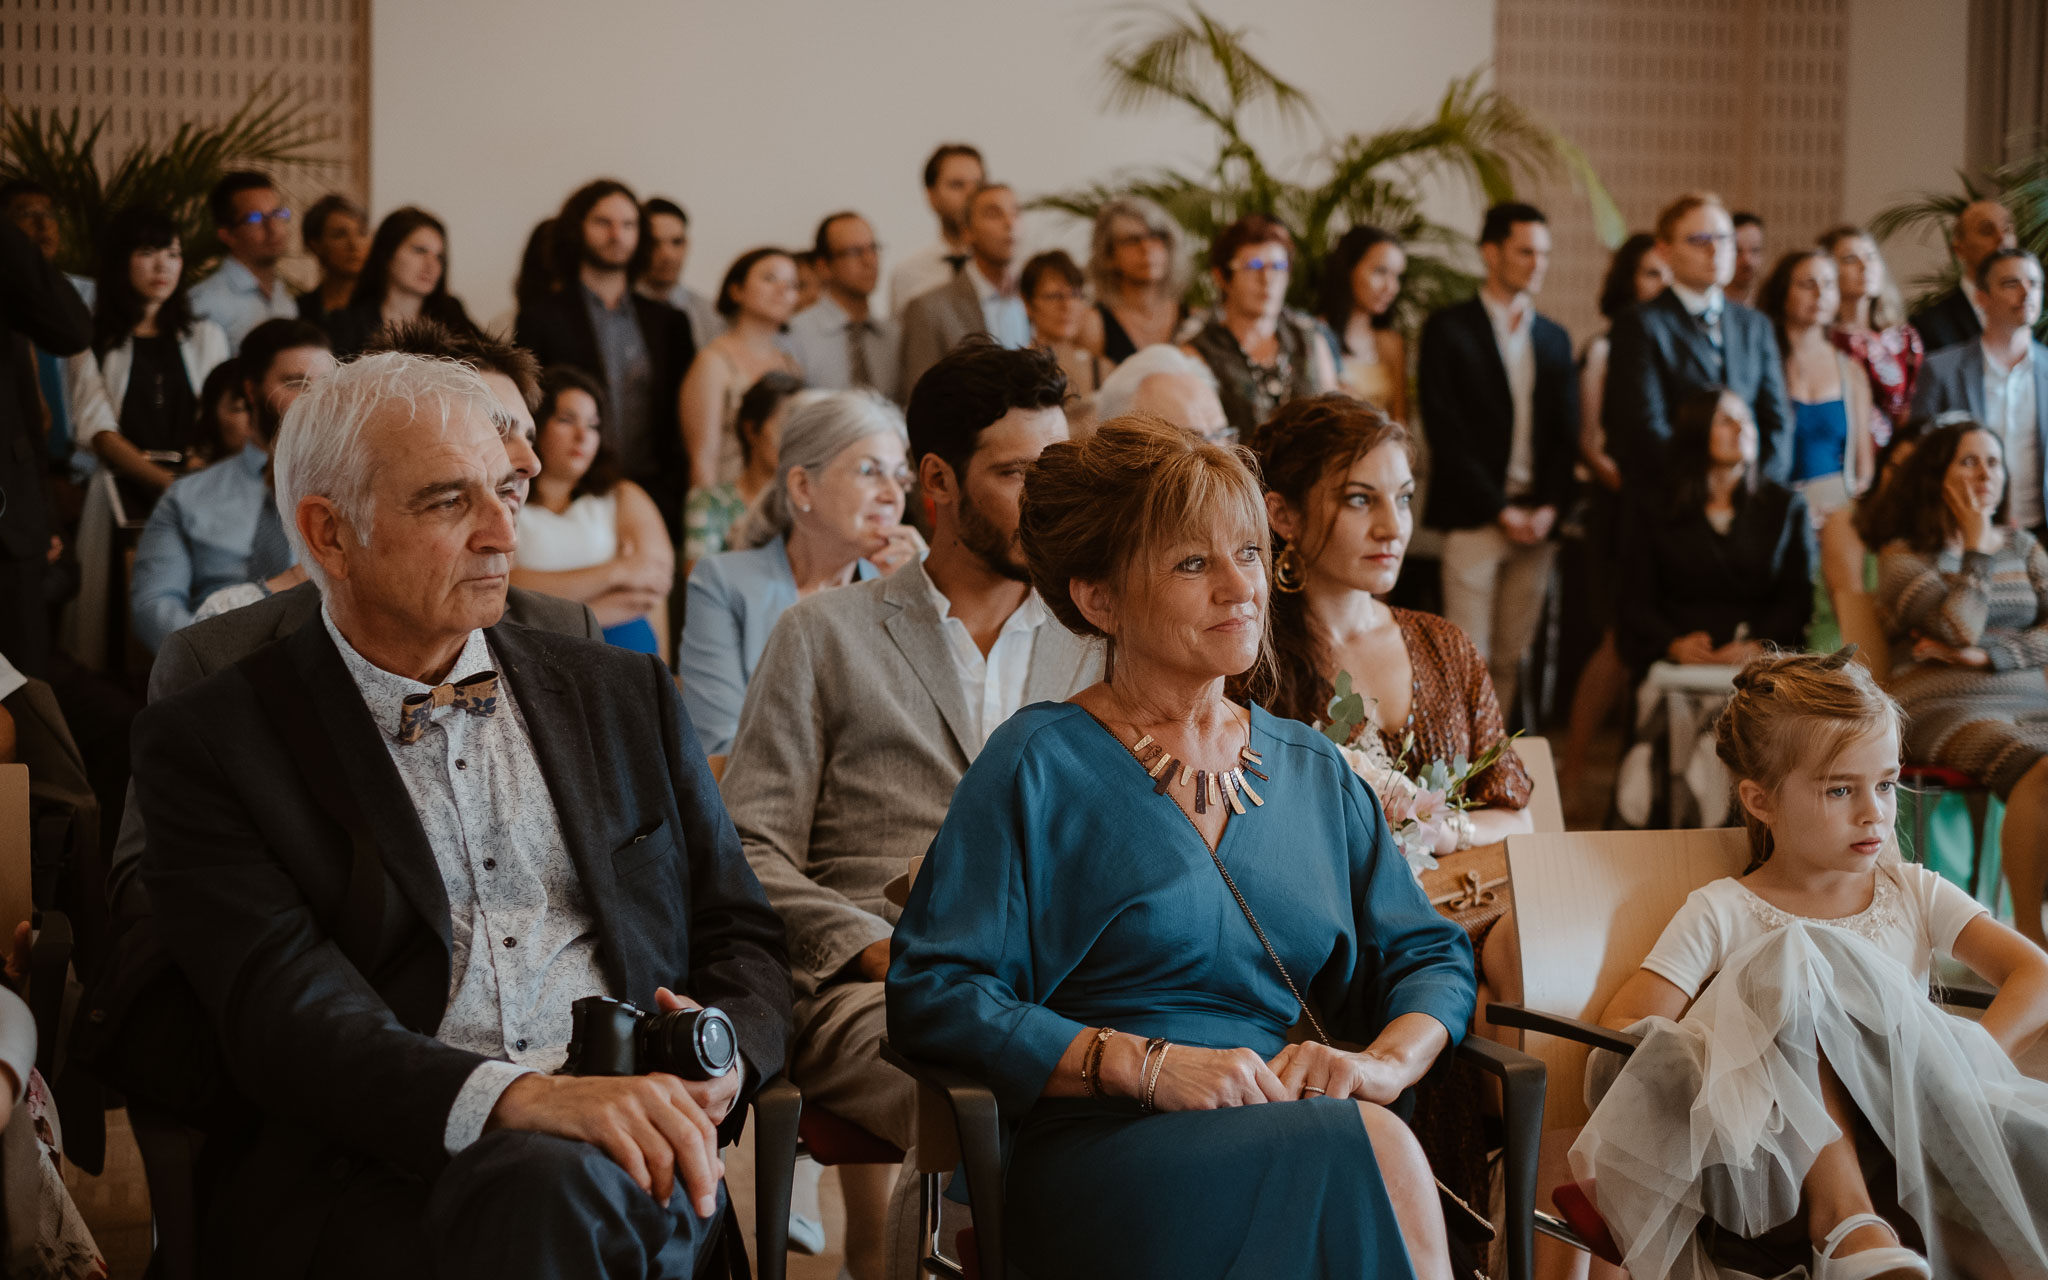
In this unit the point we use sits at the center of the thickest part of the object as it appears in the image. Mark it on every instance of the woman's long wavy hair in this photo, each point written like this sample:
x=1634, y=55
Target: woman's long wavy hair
x=1924, y=521
x=1303, y=451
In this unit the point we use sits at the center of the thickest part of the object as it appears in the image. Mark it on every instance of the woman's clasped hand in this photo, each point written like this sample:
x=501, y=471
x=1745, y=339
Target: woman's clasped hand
x=1195, y=1079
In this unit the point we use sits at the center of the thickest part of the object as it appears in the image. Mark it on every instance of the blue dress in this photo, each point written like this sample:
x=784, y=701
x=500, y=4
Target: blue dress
x=1061, y=893
x=1820, y=438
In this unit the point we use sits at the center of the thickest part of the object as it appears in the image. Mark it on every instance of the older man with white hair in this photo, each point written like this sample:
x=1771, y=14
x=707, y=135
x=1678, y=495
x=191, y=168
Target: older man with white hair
x=392, y=849
x=1168, y=382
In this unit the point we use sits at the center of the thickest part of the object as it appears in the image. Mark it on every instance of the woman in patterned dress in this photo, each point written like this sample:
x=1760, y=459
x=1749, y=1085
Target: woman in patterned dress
x=1871, y=328
x=1965, y=601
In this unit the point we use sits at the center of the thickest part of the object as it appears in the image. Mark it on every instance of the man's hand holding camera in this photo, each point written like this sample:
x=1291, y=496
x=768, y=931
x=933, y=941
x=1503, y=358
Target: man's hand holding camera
x=654, y=1126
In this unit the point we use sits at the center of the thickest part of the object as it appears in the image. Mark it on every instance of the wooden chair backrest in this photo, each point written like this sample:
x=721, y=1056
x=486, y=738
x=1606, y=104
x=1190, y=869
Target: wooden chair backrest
x=1861, y=625
x=17, y=899
x=1589, y=906
x=1546, y=802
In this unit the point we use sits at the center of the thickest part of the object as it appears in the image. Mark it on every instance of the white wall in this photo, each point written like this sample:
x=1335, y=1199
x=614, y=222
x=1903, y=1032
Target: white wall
x=762, y=115
x=1908, y=60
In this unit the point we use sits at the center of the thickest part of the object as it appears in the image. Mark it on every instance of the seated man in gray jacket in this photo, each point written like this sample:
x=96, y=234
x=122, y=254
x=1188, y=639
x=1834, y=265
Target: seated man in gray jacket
x=870, y=702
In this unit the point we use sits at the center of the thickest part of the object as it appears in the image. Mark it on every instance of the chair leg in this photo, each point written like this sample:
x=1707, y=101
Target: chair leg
x=1522, y=1090
x=778, y=1109
x=1980, y=817
x=976, y=1115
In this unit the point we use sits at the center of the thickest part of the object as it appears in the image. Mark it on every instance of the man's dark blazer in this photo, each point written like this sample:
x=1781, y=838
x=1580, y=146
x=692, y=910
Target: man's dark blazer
x=38, y=308
x=557, y=329
x=1952, y=381
x=1948, y=321
x=1468, y=413
x=193, y=653
x=247, y=875
x=937, y=321
x=1660, y=352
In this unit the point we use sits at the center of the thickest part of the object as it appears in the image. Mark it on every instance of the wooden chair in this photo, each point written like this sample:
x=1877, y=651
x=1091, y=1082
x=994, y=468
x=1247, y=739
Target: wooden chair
x=1591, y=904
x=1546, y=802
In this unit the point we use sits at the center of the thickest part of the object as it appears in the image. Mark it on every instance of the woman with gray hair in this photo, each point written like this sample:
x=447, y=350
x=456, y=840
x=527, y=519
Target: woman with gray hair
x=1139, y=272
x=832, y=515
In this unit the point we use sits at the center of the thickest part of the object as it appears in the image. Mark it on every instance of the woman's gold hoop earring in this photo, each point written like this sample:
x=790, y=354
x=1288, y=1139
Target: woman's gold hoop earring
x=1287, y=577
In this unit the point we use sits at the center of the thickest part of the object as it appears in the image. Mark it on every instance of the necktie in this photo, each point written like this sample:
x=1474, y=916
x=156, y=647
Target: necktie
x=957, y=261
x=1710, y=320
x=477, y=694
x=270, y=552
x=857, y=353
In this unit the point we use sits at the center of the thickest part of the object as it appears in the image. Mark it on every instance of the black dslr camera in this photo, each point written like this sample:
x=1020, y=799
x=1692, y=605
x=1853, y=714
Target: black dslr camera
x=609, y=1037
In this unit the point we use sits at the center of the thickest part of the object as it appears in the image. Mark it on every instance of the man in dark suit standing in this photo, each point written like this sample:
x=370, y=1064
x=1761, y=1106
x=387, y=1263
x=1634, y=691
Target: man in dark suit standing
x=1500, y=404
x=639, y=348
x=1691, y=337
x=1957, y=316
x=38, y=308
x=389, y=948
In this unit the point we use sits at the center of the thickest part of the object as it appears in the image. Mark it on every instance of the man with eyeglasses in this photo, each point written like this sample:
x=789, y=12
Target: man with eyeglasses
x=251, y=219
x=1688, y=338
x=840, y=342
x=1957, y=316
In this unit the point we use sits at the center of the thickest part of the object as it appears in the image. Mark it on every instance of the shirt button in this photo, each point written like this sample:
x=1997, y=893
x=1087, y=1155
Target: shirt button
x=490, y=864
x=462, y=764
x=511, y=942
x=520, y=1045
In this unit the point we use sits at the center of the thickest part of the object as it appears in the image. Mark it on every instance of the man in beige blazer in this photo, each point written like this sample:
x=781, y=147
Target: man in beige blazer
x=870, y=702
x=982, y=297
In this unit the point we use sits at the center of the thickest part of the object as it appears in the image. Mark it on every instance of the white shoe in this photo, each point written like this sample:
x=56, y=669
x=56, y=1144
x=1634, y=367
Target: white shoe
x=806, y=1235
x=1871, y=1264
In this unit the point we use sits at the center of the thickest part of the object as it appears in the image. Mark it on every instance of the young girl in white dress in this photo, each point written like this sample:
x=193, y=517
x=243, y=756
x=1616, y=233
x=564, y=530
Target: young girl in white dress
x=1814, y=1085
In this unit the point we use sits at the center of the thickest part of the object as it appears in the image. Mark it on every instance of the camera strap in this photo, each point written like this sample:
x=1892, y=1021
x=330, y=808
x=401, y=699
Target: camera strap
x=282, y=690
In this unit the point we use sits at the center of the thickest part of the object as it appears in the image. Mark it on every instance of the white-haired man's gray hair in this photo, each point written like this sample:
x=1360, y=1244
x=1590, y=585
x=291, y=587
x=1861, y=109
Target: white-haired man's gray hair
x=319, y=450
x=1113, y=399
x=816, y=428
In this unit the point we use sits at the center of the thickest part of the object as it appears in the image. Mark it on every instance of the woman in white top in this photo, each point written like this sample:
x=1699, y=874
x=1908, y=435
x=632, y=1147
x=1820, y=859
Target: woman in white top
x=137, y=391
x=757, y=298
x=586, y=534
x=1793, y=1072
x=833, y=515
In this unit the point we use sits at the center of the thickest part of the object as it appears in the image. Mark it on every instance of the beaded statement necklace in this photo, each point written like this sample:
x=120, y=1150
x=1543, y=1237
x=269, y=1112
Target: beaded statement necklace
x=1224, y=785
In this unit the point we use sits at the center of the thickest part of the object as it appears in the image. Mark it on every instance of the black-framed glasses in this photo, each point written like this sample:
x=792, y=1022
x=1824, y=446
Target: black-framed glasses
x=257, y=216
x=1278, y=266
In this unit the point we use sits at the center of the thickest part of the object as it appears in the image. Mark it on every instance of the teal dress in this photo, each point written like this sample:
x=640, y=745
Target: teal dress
x=1062, y=893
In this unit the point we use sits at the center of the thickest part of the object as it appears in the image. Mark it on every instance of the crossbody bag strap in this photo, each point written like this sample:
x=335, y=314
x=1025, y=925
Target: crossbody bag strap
x=281, y=689
x=1301, y=999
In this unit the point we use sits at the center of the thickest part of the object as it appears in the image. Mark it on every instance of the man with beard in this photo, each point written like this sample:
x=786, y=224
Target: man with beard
x=639, y=348
x=869, y=703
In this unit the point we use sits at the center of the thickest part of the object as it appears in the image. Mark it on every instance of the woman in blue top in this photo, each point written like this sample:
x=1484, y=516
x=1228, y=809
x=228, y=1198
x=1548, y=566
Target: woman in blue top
x=833, y=514
x=1077, y=940
x=1833, y=453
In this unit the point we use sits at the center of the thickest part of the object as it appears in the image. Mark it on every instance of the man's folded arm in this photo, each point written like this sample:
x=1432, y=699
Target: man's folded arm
x=304, y=1034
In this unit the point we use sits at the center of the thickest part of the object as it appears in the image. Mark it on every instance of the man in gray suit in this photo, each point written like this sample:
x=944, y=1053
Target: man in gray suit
x=870, y=702
x=982, y=298
x=2001, y=380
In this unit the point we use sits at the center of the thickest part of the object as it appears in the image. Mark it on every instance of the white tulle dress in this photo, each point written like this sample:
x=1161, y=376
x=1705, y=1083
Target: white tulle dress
x=1720, y=1116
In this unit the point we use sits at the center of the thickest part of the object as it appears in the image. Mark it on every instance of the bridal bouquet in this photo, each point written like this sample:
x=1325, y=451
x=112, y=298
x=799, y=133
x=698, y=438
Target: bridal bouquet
x=1421, y=800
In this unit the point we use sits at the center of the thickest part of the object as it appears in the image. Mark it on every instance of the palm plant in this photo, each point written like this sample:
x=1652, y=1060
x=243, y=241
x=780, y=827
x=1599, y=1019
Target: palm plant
x=2021, y=186
x=60, y=151
x=1477, y=135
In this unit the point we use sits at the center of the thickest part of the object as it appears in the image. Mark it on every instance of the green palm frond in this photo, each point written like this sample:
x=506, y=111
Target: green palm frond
x=60, y=151
x=1477, y=135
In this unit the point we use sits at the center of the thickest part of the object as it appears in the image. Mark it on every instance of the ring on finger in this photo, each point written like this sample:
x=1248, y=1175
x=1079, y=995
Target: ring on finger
x=1309, y=1088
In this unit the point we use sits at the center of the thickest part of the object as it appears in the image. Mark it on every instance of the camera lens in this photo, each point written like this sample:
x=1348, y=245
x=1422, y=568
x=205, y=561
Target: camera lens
x=695, y=1044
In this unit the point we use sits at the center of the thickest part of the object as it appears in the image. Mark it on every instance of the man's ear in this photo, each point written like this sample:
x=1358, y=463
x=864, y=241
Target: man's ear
x=936, y=478
x=327, y=536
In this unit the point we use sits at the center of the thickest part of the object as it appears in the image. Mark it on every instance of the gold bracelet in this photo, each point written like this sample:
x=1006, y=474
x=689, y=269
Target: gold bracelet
x=1091, y=1062
x=1152, y=1083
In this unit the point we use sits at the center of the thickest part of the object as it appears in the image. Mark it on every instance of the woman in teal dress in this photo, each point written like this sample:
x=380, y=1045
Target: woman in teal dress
x=1074, y=939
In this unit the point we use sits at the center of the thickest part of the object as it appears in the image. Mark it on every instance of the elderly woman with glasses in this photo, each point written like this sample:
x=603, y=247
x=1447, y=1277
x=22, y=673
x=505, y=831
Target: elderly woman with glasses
x=1139, y=273
x=1262, y=353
